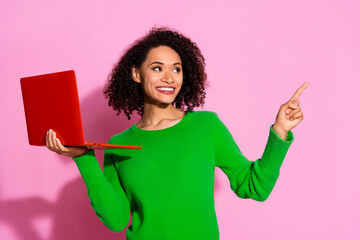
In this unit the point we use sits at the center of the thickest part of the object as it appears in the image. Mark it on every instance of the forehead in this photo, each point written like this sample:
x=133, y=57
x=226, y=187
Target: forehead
x=163, y=54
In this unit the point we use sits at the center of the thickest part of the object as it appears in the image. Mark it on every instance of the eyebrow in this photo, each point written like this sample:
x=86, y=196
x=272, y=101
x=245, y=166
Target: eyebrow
x=177, y=63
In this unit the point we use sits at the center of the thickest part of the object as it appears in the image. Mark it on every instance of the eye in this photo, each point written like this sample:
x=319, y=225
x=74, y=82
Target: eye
x=157, y=69
x=177, y=70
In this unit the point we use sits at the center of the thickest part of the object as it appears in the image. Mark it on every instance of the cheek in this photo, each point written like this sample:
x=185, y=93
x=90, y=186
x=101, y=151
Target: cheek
x=149, y=80
x=180, y=79
x=147, y=86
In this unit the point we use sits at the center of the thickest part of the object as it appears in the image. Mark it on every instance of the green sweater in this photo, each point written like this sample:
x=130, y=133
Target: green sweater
x=168, y=185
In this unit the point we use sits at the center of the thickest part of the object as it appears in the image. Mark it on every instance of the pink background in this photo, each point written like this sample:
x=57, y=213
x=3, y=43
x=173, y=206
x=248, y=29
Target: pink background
x=257, y=53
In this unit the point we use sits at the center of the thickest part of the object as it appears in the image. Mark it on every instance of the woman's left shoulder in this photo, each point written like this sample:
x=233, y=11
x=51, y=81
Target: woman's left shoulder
x=205, y=114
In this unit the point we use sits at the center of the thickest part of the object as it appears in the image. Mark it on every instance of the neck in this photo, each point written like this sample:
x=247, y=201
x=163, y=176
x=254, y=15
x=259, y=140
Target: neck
x=154, y=114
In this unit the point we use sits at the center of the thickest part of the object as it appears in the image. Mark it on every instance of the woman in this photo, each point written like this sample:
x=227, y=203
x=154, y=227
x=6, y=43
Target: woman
x=168, y=185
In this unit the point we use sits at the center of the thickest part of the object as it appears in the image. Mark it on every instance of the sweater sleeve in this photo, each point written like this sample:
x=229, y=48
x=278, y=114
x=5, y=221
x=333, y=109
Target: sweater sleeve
x=250, y=179
x=107, y=197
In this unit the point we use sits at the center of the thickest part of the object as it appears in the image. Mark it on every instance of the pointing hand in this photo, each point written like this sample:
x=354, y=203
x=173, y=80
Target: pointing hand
x=290, y=114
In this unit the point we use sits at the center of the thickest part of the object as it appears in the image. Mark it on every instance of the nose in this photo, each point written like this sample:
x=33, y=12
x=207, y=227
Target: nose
x=167, y=77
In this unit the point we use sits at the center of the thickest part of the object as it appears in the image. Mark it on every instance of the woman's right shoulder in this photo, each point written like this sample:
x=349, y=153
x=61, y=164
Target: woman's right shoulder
x=119, y=136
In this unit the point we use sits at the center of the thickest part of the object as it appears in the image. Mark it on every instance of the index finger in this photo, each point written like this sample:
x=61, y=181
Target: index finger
x=299, y=91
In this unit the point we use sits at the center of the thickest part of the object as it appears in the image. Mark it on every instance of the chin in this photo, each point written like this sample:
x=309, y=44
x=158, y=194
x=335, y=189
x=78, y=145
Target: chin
x=166, y=102
x=162, y=100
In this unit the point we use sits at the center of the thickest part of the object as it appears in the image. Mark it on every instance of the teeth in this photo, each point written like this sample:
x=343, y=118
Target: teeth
x=166, y=89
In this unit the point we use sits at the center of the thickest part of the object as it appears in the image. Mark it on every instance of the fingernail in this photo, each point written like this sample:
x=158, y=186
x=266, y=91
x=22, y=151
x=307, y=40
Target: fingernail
x=294, y=106
x=288, y=111
x=287, y=116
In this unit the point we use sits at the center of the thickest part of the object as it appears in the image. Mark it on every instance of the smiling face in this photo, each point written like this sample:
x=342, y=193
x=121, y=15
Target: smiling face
x=160, y=76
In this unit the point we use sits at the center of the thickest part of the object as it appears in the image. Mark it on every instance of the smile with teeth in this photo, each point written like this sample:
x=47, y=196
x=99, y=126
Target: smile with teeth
x=166, y=90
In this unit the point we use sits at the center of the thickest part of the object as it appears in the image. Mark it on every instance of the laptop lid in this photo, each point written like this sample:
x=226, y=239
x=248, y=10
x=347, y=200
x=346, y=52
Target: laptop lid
x=51, y=102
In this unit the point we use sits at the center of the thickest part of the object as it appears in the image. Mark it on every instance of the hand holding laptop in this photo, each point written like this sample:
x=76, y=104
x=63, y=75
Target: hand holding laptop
x=54, y=144
x=61, y=114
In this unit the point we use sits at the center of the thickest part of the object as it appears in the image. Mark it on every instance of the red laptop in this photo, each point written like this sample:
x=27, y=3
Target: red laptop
x=51, y=101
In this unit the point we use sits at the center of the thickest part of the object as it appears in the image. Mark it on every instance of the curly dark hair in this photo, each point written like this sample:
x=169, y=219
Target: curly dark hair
x=124, y=94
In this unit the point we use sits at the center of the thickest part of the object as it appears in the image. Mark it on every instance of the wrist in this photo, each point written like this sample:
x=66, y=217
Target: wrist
x=82, y=154
x=280, y=132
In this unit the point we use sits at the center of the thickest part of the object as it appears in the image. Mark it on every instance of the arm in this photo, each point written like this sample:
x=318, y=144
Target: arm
x=106, y=194
x=250, y=179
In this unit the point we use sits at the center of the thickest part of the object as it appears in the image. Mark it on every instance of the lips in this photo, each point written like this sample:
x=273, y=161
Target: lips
x=166, y=90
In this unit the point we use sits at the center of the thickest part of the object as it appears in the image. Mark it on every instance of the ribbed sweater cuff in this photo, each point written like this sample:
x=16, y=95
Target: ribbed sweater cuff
x=86, y=159
x=275, y=150
x=89, y=169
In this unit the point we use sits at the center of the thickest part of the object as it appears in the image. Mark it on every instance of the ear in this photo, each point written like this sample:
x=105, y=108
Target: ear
x=135, y=74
